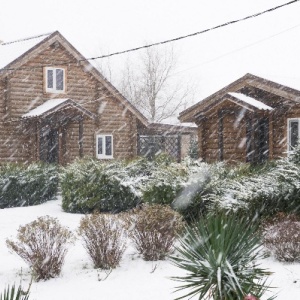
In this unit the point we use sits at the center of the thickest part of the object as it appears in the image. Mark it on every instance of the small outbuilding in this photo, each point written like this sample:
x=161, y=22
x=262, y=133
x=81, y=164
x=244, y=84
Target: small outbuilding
x=250, y=120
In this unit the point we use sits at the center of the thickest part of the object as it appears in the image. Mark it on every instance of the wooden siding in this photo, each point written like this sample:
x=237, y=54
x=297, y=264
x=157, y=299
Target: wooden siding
x=23, y=90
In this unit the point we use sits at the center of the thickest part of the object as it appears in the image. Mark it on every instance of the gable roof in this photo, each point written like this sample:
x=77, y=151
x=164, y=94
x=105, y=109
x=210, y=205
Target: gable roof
x=291, y=95
x=10, y=51
x=16, y=54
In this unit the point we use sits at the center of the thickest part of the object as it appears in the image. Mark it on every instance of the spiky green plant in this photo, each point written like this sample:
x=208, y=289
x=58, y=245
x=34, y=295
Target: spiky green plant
x=220, y=255
x=11, y=293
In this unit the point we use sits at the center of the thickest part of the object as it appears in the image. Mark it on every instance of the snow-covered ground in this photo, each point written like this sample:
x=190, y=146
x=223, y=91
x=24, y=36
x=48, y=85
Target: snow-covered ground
x=134, y=279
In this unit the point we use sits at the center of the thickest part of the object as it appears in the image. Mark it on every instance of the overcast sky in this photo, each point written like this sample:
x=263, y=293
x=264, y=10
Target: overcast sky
x=267, y=46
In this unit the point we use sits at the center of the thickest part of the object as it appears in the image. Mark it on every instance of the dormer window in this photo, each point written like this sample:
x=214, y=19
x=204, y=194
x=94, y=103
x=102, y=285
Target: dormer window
x=55, y=80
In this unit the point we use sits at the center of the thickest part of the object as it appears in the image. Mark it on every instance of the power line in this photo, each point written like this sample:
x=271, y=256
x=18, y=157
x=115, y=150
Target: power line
x=195, y=33
x=169, y=40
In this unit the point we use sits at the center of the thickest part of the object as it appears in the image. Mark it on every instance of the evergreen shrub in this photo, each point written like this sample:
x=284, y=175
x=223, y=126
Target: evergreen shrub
x=153, y=230
x=43, y=245
x=89, y=185
x=165, y=181
x=25, y=185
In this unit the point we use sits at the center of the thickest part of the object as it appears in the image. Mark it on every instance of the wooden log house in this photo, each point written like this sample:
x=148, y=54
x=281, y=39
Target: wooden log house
x=55, y=106
x=251, y=120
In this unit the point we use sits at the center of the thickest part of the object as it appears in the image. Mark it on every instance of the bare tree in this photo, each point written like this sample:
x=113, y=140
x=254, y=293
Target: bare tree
x=149, y=83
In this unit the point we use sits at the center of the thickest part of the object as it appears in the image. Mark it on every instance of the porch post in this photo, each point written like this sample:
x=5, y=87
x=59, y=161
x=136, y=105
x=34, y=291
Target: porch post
x=38, y=136
x=271, y=150
x=81, y=136
x=220, y=135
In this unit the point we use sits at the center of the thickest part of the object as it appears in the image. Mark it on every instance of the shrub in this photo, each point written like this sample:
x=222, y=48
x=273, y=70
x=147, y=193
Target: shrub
x=165, y=181
x=24, y=185
x=89, y=185
x=262, y=193
x=42, y=244
x=11, y=293
x=283, y=239
x=219, y=254
x=103, y=238
x=153, y=230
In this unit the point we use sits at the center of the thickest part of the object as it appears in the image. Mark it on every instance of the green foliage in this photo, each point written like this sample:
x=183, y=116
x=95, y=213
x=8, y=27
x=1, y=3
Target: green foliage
x=165, y=181
x=219, y=254
x=89, y=185
x=263, y=193
x=103, y=238
x=203, y=178
x=11, y=293
x=42, y=244
x=24, y=185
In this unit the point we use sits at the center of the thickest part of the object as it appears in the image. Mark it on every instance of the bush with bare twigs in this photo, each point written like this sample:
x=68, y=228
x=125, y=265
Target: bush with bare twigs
x=153, y=230
x=103, y=238
x=43, y=245
x=282, y=239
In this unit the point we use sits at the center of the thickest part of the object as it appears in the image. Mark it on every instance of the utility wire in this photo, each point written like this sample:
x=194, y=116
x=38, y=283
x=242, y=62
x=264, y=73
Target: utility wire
x=170, y=40
x=195, y=33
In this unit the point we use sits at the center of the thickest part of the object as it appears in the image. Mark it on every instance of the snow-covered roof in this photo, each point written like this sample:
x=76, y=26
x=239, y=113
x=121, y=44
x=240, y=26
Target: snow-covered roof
x=12, y=50
x=251, y=101
x=48, y=105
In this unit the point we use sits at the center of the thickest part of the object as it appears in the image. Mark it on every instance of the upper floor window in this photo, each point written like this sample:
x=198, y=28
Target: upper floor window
x=293, y=133
x=55, y=80
x=104, y=146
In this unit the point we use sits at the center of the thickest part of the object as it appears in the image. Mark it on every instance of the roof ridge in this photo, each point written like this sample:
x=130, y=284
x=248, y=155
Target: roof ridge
x=28, y=38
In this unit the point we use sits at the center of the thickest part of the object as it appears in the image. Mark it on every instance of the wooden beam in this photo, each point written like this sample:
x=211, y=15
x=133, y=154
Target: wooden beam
x=38, y=136
x=271, y=136
x=81, y=137
x=220, y=135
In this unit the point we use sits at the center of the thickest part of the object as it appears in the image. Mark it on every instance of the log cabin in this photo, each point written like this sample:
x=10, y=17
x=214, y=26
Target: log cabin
x=56, y=106
x=250, y=120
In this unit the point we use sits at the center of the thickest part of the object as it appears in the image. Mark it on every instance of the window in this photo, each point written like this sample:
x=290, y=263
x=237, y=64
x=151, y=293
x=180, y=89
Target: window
x=293, y=133
x=104, y=146
x=55, y=80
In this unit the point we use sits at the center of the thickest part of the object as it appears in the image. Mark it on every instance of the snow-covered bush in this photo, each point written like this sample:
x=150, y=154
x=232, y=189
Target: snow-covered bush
x=153, y=230
x=220, y=256
x=261, y=193
x=24, y=185
x=202, y=180
x=103, y=238
x=89, y=185
x=282, y=239
x=43, y=245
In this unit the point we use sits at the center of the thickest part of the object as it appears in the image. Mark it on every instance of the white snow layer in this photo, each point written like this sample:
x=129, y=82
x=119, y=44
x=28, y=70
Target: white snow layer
x=251, y=101
x=48, y=105
x=12, y=50
x=134, y=279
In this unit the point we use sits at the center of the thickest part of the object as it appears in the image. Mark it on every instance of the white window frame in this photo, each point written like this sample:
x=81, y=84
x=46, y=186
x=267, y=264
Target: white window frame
x=289, y=150
x=103, y=155
x=54, y=88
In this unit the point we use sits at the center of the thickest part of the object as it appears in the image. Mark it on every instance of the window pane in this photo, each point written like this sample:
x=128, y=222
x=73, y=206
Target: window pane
x=294, y=134
x=100, y=145
x=60, y=79
x=108, y=145
x=50, y=79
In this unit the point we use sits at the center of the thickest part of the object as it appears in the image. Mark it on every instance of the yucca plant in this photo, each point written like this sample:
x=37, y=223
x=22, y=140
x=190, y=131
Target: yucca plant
x=220, y=254
x=11, y=293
